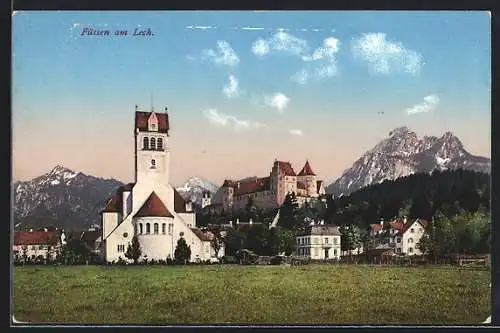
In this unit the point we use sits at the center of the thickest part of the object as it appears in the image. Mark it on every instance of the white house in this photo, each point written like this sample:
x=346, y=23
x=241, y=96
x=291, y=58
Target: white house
x=151, y=208
x=401, y=234
x=319, y=242
x=35, y=244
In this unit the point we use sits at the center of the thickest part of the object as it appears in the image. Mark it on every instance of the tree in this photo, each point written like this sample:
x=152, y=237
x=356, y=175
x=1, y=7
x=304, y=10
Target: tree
x=288, y=212
x=182, y=252
x=24, y=251
x=217, y=241
x=134, y=250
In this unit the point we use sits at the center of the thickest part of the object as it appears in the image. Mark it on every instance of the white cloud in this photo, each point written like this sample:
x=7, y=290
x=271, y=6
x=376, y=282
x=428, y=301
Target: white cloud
x=252, y=28
x=430, y=102
x=296, y=132
x=231, y=89
x=280, y=42
x=384, y=56
x=321, y=63
x=278, y=101
x=224, y=55
x=224, y=120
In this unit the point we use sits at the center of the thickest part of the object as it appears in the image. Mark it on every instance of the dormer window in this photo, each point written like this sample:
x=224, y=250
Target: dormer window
x=153, y=126
x=153, y=144
x=145, y=143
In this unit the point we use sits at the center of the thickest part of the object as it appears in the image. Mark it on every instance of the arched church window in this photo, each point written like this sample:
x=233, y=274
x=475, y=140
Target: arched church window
x=156, y=228
x=148, y=228
x=159, y=144
x=140, y=228
x=145, y=143
x=153, y=143
x=163, y=227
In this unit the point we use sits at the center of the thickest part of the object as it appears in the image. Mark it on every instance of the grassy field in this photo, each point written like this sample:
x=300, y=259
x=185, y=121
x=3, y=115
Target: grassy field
x=311, y=294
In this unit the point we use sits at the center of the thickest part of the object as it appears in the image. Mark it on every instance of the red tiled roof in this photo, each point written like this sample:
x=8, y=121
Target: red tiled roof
x=375, y=226
x=114, y=204
x=306, y=170
x=179, y=202
x=153, y=207
x=249, y=185
x=301, y=185
x=286, y=167
x=141, y=121
x=36, y=238
x=203, y=235
x=318, y=185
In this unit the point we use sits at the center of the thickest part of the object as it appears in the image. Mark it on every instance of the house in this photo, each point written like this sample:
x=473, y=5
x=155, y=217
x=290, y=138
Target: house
x=205, y=246
x=400, y=234
x=150, y=207
x=91, y=238
x=36, y=244
x=269, y=192
x=319, y=242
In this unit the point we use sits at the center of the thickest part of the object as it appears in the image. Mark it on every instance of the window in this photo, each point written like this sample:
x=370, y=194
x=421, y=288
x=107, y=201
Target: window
x=335, y=251
x=145, y=143
x=326, y=240
x=398, y=240
x=163, y=228
x=135, y=229
x=159, y=144
x=410, y=240
x=148, y=228
x=156, y=228
x=152, y=143
x=298, y=241
x=41, y=247
x=121, y=248
x=410, y=250
x=140, y=228
x=335, y=240
x=153, y=164
x=398, y=250
x=33, y=248
x=412, y=230
x=420, y=230
x=170, y=228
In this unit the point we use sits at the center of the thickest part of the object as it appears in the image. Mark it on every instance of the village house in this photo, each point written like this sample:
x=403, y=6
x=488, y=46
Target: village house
x=269, y=192
x=151, y=208
x=34, y=245
x=400, y=234
x=91, y=238
x=319, y=242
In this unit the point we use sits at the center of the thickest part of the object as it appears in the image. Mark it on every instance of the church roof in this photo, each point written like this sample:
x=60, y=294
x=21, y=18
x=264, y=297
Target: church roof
x=153, y=207
x=141, y=121
x=114, y=204
x=179, y=203
x=306, y=170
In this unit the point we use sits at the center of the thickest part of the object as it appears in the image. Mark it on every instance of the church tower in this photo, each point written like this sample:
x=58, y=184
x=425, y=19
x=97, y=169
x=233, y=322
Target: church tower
x=152, y=150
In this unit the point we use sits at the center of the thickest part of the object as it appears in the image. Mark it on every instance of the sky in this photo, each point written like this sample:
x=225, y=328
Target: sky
x=243, y=88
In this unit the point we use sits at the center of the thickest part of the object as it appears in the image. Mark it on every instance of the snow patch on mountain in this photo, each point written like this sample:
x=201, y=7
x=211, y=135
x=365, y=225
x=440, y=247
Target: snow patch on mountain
x=194, y=187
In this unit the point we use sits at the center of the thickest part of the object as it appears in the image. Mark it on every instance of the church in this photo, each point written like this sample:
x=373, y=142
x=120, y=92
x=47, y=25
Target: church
x=151, y=208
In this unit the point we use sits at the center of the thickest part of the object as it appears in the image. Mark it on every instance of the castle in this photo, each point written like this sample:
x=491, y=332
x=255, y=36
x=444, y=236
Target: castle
x=270, y=192
x=151, y=207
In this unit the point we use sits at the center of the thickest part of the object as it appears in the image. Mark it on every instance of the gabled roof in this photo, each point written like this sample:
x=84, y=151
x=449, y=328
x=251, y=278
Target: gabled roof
x=306, y=170
x=141, y=121
x=286, y=168
x=179, y=203
x=36, y=238
x=319, y=230
x=114, y=204
x=153, y=206
x=203, y=235
x=318, y=185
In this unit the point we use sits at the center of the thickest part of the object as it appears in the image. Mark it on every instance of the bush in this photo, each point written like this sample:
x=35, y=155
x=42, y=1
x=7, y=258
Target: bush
x=170, y=261
x=229, y=260
x=276, y=260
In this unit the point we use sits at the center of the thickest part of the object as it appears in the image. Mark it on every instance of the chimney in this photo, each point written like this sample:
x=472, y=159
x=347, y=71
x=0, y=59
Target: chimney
x=382, y=222
x=250, y=222
x=405, y=220
x=31, y=230
x=45, y=229
x=237, y=221
x=231, y=223
x=188, y=206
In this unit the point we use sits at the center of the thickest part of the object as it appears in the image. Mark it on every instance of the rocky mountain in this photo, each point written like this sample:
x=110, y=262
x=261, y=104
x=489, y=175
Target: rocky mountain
x=402, y=154
x=194, y=187
x=62, y=198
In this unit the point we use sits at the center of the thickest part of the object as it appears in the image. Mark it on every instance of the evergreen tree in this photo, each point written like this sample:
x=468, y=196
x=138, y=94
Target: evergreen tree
x=134, y=250
x=182, y=253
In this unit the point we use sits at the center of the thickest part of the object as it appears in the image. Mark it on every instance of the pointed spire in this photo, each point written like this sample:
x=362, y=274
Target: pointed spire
x=306, y=170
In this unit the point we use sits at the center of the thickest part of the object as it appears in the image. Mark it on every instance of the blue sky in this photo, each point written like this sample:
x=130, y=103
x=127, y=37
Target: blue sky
x=260, y=85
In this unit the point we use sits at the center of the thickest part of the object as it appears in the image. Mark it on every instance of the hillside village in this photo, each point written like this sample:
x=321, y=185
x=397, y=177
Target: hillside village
x=286, y=214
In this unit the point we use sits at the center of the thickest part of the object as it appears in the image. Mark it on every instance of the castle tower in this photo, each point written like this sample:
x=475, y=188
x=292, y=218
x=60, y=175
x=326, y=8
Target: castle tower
x=152, y=151
x=308, y=177
x=206, y=199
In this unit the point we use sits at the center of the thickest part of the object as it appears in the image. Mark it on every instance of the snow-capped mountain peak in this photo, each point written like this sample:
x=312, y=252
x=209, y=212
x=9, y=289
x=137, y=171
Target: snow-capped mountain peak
x=402, y=153
x=194, y=187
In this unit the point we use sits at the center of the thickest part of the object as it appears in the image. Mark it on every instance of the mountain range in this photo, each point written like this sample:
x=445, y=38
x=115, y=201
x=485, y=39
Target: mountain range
x=68, y=199
x=403, y=153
